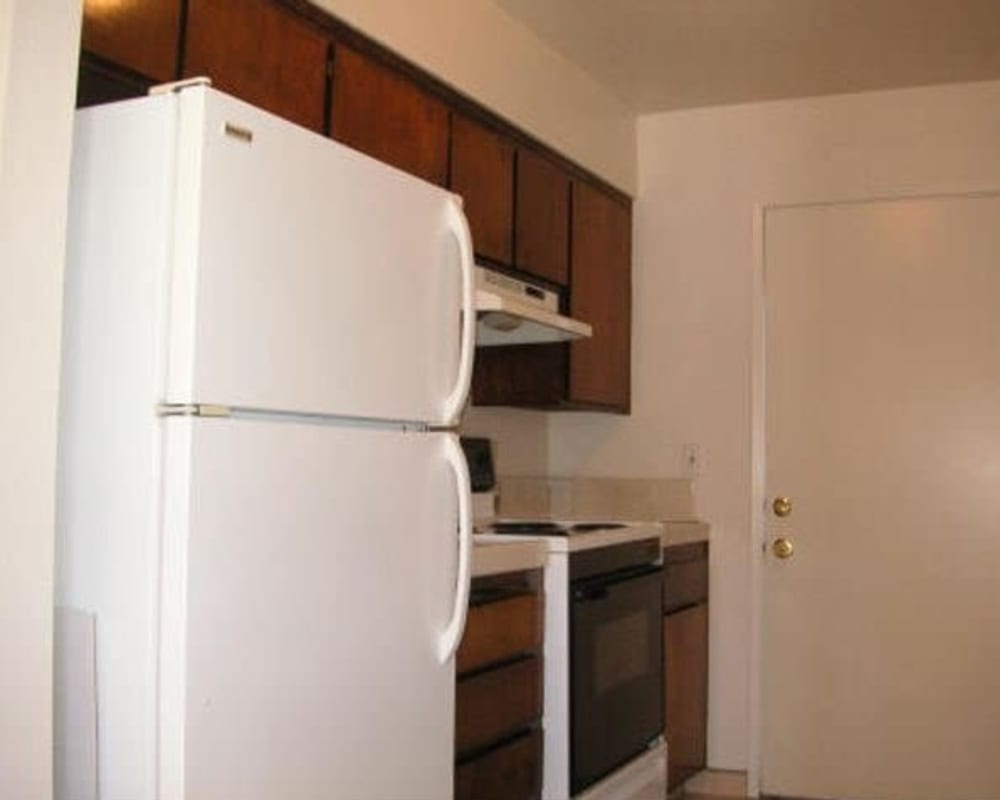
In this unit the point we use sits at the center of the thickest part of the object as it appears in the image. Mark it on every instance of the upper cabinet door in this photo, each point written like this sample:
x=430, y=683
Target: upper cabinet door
x=541, y=233
x=138, y=34
x=482, y=172
x=381, y=112
x=261, y=53
x=602, y=295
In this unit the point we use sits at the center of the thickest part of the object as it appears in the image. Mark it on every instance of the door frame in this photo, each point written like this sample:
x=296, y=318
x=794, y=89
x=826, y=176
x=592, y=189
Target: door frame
x=758, y=430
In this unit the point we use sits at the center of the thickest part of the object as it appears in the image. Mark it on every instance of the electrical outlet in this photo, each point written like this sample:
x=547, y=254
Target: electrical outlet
x=691, y=460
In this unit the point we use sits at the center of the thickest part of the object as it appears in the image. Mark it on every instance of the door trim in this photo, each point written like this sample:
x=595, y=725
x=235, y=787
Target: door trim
x=758, y=415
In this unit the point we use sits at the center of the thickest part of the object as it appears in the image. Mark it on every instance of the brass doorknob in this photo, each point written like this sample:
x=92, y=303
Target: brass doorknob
x=782, y=547
x=782, y=506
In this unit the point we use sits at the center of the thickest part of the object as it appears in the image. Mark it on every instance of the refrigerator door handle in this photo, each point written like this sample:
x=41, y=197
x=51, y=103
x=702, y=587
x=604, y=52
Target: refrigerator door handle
x=452, y=635
x=458, y=226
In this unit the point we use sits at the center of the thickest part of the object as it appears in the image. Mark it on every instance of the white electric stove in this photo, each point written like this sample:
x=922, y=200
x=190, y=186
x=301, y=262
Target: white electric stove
x=603, y=673
x=603, y=655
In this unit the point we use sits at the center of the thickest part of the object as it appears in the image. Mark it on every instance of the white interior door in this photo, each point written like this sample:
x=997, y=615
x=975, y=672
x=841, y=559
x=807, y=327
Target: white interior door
x=881, y=633
x=308, y=574
x=308, y=277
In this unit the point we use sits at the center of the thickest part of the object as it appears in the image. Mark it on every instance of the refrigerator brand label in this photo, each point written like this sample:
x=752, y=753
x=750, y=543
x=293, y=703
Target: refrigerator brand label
x=243, y=134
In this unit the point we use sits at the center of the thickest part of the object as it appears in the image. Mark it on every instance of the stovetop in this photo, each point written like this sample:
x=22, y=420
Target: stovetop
x=549, y=527
x=565, y=536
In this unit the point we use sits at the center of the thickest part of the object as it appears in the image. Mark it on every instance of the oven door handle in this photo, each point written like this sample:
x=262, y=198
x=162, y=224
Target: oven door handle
x=590, y=593
x=597, y=588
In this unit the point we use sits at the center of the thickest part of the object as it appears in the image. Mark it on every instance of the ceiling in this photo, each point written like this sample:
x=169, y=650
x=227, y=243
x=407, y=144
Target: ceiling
x=665, y=54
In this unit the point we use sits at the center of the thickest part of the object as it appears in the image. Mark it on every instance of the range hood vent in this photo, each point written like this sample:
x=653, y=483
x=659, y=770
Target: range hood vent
x=513, y=311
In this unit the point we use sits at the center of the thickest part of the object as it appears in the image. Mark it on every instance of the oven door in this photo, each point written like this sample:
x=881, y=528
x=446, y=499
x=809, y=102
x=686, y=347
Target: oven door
x=617, y=671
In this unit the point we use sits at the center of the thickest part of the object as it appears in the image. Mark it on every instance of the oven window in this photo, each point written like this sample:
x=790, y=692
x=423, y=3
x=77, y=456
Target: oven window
x=621, y=651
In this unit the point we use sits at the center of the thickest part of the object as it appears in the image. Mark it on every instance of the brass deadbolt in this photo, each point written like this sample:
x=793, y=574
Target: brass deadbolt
x=782, y=506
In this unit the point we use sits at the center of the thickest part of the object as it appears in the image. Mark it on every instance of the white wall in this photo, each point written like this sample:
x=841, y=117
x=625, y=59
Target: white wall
x=475, y=46
x=700, y=174
x=38, y=50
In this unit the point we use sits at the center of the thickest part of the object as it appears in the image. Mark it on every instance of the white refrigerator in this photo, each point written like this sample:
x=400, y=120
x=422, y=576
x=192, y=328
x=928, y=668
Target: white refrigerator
x=263, y=507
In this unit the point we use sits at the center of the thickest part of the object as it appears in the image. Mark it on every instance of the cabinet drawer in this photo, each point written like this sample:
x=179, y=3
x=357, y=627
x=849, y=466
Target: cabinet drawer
x=685, y=576
x=500, y=631
x=510, y=772
x=493, y=705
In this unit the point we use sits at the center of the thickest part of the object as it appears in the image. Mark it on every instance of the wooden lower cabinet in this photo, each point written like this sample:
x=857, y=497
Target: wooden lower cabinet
x=512, y=770
x=499, y=690
x=498, y=631
x=685, y=652
x=493, y=704
x=685, y=642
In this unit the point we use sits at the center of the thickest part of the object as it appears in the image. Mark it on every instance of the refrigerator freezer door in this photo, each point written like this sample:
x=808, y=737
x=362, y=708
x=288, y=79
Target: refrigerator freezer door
x=308, y=574
x=308, y=277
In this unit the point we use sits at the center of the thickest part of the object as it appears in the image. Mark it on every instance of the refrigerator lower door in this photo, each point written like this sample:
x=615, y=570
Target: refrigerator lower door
x=308, y=277
x=308, y=573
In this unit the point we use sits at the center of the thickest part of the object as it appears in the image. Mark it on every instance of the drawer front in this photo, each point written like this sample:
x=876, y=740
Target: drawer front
x=500, y=631
x=510, y=772
x=685, y=576
x=494, y=705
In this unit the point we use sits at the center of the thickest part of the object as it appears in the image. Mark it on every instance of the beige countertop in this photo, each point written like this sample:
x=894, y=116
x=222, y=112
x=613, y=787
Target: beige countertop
x=492, y=557
x=631, y=532
x=494, y=554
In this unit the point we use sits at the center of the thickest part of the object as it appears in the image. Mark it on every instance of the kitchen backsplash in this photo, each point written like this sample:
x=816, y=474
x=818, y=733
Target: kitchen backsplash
x=667, y=499
x=521, y=460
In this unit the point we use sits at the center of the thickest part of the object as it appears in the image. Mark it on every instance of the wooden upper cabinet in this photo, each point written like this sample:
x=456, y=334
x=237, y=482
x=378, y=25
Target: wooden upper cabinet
x=524, y=376
x=141, y=35
x=541, y=227
x=599, y=369
x=482, y=172
x=590, y=373
x=381, y=112
x=261, y=53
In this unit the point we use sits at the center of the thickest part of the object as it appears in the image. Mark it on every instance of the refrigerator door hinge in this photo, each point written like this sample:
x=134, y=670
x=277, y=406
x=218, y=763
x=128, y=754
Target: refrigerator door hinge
x=441, y=429
x=192, y=410
x=179, y=86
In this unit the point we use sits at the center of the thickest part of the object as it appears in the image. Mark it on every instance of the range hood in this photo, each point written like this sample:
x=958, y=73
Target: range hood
x=514, y=311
